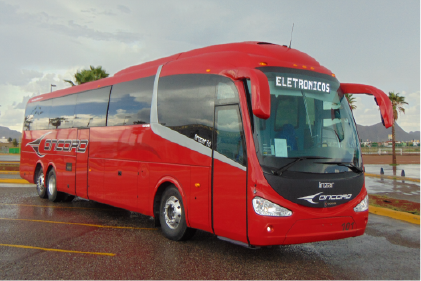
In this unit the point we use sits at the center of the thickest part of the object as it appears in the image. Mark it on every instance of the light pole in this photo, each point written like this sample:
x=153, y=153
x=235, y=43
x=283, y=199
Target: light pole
x=51, y=89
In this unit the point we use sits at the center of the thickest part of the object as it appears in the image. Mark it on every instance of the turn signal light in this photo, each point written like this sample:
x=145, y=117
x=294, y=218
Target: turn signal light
x=263, y=63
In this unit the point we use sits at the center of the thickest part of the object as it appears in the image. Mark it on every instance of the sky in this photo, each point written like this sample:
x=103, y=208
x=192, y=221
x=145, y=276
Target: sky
x=43, y=42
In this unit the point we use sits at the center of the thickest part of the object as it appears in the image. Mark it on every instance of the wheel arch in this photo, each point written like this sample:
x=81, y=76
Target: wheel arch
x=39, y=165
x=51, y=166
x=161, y=186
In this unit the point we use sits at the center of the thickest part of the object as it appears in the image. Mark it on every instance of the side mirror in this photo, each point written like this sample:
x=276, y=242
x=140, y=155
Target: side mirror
x=382, y=100
x=260, y=92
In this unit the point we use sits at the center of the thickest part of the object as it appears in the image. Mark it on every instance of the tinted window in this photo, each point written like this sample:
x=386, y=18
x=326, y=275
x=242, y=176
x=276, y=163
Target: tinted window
x=63, y=112
x=186, y=104
x=91, y=108
x=130, y=102
x=30, y=116
x=226, y=92
x=229, y=133
x=42, y=115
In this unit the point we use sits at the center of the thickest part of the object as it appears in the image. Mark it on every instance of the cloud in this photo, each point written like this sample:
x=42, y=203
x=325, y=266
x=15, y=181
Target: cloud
x=124, y=9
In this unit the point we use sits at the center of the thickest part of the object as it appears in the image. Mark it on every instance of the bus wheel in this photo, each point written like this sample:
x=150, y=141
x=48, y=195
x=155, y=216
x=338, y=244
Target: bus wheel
x=172, y=216
x=53, y=194
x=41, y=190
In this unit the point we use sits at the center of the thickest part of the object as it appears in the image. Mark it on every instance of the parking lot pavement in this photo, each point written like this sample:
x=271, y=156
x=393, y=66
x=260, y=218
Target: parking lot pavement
x=87, y=240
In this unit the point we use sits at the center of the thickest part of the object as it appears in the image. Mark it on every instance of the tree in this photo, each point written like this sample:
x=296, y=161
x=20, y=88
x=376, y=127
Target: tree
x=88, y=75
x=351, y=101
x=9, y=139
x=15, y=143
x=397, y=104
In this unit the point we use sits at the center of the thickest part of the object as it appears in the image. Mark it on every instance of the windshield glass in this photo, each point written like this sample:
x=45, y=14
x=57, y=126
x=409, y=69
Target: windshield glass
x=310, y=119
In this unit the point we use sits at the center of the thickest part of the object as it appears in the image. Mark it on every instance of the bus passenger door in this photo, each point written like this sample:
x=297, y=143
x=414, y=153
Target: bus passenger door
x=229, y=175
x=82, y=152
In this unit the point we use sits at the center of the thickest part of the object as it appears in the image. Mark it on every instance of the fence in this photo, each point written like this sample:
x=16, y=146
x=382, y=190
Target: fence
x=388, y=150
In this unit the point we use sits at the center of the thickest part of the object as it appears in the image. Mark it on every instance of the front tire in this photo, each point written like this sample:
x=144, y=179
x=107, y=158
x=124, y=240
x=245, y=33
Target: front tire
x=53, y=194
x=39, y=180
x=172, y=216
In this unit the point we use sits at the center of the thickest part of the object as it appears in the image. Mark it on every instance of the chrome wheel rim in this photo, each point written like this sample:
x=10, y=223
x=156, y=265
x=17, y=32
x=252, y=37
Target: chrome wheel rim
x=172, y=212
x=40, y=183
x=51, y=185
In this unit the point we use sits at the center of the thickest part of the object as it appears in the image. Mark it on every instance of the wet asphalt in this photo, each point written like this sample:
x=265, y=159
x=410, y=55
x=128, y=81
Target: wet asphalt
x=390, y=249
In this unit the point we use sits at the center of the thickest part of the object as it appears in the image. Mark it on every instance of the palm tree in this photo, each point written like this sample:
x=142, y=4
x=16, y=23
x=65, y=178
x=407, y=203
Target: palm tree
x=397, y=103
x=88, y=75
x=351, y=101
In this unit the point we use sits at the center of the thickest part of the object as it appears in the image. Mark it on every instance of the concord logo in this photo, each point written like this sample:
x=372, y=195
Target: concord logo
x=325, y=197
x=66, y=145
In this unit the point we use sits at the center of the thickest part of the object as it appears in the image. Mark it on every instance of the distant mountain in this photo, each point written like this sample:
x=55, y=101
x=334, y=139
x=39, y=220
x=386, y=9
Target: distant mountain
x=378, y=133
x=7, y=133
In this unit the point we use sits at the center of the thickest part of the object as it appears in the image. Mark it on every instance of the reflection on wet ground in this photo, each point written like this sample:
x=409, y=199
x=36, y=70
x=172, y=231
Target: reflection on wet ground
x=398, y=189
x=388, y=250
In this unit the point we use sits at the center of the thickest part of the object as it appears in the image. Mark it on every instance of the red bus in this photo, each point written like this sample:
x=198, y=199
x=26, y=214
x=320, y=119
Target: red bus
x=253, y=142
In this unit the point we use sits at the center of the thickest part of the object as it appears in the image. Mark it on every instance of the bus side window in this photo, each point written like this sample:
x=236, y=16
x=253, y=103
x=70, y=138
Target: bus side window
x=42, y=115
x=130, y=102
x=30, y=116
x=91, y=108
x=186, y=105
x=229, y=133
x=63, y=112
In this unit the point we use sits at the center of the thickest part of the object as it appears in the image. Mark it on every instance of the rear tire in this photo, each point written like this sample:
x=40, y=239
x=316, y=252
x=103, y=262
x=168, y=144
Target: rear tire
x=53, y=194
x=39, y=180
x=172, y=216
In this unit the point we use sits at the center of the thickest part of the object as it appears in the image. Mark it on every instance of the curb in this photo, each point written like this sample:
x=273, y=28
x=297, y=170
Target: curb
x=392, y=177
x=394, y=214
x=10, y=162
x=14, y=181
x=9, y=172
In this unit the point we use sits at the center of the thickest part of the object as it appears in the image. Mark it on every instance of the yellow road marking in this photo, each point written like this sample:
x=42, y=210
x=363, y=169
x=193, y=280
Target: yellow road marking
x=57, y=250
x=392, y=177
x=9, y=172
x=14, y=181
x=394, y=214
x=83, y=224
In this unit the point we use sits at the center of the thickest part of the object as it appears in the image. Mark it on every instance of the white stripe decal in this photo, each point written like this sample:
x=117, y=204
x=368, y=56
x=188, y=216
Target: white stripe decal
x=178, y=138
x=227, y=160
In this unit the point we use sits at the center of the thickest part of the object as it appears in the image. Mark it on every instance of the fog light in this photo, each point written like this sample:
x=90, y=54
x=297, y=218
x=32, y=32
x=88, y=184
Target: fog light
x=363, y=205
x=264, y=207
x=269, y=228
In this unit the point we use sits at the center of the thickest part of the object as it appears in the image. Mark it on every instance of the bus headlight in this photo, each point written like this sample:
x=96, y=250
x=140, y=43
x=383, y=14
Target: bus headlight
x=362, y=206
x=266, y=208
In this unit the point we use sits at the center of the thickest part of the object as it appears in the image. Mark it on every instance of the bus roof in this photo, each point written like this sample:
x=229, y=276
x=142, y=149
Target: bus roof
x=208, y=60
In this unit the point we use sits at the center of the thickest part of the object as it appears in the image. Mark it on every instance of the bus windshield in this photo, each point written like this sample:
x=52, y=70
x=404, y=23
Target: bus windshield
x=311, y=127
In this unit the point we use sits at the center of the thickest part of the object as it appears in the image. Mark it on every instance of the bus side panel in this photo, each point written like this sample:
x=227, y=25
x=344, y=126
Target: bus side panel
x=229, y=201
x=95, y=179
x=143, y=192
x=199, y=198
x=65, y=179
x=120, y=183
x=29, y=158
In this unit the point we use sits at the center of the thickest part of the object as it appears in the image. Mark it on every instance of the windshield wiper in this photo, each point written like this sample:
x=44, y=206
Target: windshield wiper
x=349, y=165
x=296, y=160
